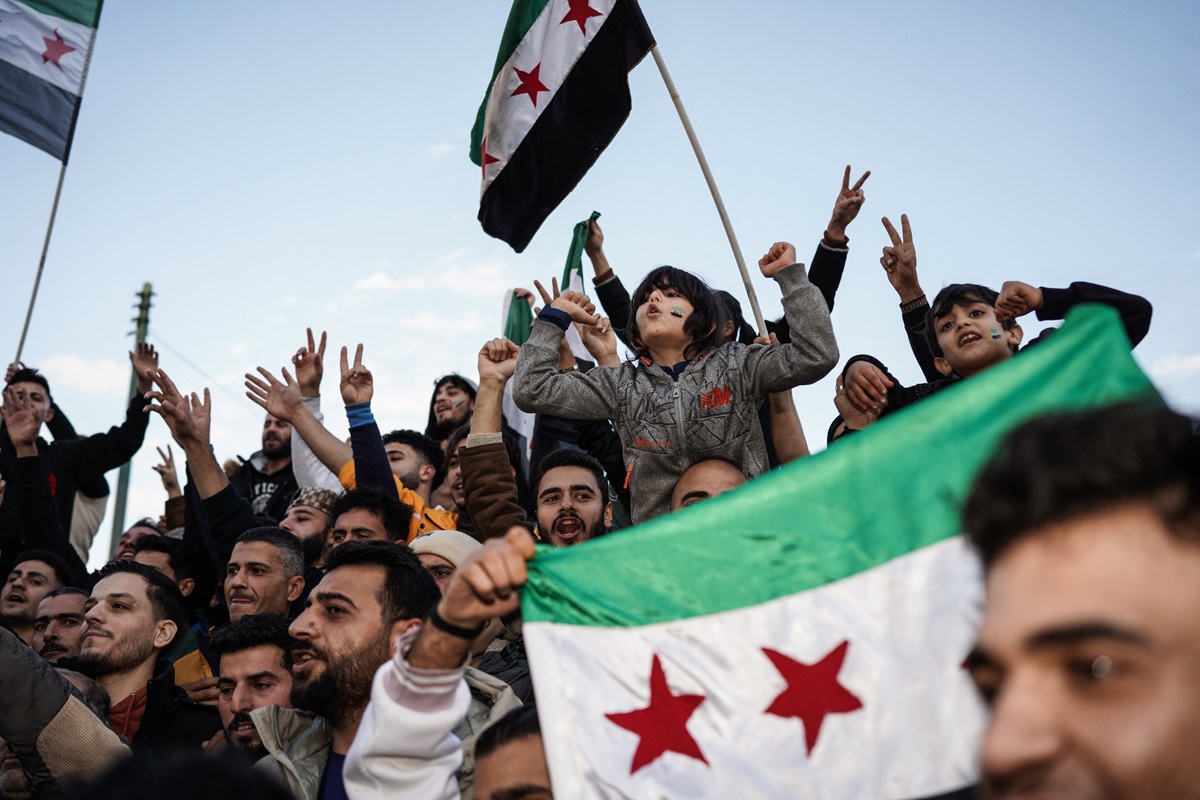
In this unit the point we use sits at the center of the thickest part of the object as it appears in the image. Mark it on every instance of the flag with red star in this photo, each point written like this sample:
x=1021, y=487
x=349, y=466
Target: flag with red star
x=558, y=95
x=45, y=46
x=803, y=635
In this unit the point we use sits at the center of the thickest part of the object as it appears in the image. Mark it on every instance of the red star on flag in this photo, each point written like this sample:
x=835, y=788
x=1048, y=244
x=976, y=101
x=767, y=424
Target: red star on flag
x=530, y=84
x=662, y=725
x=485, y=157
x=580, y=12
x=812, y=690
x=56, y=48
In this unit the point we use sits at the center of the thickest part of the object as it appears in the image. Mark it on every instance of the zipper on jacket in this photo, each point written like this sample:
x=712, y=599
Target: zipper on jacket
x=628, y=472
x=679, y=426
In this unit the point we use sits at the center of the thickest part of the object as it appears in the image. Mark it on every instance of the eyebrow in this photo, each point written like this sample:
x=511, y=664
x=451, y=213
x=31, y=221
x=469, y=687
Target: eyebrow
x=1078, y=633
x=518, y=792
x=697, y=494
x=576, y=488
x=32, y=573
x=64, y=615
x=263, y=564
x=327, y=596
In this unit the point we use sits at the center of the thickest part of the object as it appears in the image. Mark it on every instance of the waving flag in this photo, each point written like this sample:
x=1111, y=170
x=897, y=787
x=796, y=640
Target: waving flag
x=45, y=47
x=559, y=94
x=804, y=635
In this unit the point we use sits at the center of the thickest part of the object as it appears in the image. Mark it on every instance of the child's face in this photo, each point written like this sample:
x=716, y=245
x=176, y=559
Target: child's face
x=972, y=339
x=660, y=319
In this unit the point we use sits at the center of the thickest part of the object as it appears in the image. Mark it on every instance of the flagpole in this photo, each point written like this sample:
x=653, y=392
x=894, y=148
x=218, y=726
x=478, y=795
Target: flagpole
x=37, y=281
x=712, y=187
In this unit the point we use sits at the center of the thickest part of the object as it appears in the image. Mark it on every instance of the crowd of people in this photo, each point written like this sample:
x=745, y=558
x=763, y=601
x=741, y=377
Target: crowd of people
x=344, y=615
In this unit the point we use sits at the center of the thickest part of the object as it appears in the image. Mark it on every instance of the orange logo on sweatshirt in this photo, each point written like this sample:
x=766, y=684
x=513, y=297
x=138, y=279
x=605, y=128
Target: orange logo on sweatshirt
x=714, y=399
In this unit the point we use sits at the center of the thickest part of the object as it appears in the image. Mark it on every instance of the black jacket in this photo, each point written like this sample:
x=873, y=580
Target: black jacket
x=171, y=720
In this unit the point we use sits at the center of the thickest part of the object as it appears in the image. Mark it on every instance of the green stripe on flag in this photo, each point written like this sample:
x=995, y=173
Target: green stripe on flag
x=518, y=321
x=873, y=497
x=575, y=253
x=85, y=12
x=520, y=19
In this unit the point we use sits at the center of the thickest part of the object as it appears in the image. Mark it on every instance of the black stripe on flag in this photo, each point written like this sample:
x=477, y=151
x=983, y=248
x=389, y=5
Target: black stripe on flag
x=582, y=118
x=35, y=111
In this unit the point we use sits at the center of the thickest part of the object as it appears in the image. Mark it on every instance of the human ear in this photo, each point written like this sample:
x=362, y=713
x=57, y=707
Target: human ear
x=164, y=633
x=401, y=627
x=49, y=413
x=1015, y=335
x=608, y=516
x=295, y=587
x=941, y=365
x=186, y=586
x=427, y=474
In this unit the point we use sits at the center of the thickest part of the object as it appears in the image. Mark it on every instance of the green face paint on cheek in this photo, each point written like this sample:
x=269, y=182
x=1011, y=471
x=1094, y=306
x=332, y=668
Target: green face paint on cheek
x=995, y=333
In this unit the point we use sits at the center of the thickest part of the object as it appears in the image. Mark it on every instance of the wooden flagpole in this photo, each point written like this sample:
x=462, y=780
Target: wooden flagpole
x=712, y=187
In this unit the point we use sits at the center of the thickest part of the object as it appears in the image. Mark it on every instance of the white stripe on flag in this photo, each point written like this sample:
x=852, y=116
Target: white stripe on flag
x=909, y=625
x=27, y=36
x=551, y=45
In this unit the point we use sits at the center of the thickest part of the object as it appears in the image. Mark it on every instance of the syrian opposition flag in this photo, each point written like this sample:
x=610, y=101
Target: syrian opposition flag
x=45, y=47
x=559, y=94
x=804, y=635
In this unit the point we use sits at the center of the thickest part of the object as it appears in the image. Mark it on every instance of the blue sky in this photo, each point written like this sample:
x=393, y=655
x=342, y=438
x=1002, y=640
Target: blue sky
x=270, y=166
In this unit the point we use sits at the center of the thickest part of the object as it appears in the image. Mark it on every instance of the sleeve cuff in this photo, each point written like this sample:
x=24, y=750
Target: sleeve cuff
x=480, y=439
x=559, y=318
x=359, y=414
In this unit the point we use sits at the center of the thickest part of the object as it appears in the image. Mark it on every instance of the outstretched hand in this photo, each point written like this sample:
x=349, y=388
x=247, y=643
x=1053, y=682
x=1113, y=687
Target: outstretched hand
x=280, y=399
x=899, y=260
x=309, y=364
x=358, y=385
x=144, y=359
x=23, y=419
x=849, y=201
x=497, y=360
x=781, y=254
x=188, y=418
x=1017, y=299
x=576, y=305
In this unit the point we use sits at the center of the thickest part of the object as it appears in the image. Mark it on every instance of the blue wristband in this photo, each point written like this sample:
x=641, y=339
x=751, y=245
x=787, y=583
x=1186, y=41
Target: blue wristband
x=560, y=318
x=360, y=414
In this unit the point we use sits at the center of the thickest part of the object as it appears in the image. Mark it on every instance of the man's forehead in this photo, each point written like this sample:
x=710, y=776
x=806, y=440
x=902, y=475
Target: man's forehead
x=69, y=603
x=562, y=478
x=120, y=583
x=359, y=518
x=251, y=661
x=34, y=566
x=30, y=388
x=361, y=583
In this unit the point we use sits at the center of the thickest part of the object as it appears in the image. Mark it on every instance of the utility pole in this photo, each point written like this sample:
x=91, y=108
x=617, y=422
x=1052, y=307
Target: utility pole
x=142, y=320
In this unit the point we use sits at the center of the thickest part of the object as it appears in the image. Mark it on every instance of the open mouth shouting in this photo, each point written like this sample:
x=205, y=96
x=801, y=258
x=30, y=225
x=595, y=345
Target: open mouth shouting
x=568, y=526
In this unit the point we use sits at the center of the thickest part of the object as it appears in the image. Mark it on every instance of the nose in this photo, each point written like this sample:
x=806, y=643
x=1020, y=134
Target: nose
x=301, y=628
x=1025, y=734
x=240, y=701
x=236, y=579
x=50, y=634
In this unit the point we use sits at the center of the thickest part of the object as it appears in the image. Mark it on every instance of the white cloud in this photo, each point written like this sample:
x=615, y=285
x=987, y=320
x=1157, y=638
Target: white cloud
x=1196, y=255
x=382, y=282
x=440, y=149
x=102, y=376
x=290, y=300
x=239, y=349
x=1176, y=366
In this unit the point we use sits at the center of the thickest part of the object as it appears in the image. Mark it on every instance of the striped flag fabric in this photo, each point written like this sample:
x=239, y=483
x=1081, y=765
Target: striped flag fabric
x=45, y=47
x=803, y=635
x=558, y=95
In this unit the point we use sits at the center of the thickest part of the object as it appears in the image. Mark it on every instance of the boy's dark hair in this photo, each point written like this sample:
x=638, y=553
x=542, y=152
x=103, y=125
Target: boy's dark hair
x=62, y=571
x=166, y=601
x=569, y=457
x=517, y=724
x=742, y=332
x=1062, y=466
x=959, y=294
x=408, y=590
x=708, y=313
x=423, y=446
x=30, y=375
x=291, y=552
x=384, y=504
x=178, y=556
x=253, y=630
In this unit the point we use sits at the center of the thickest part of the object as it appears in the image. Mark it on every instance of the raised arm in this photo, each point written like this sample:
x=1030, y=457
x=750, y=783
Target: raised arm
x=899, y=261
x=282, y=399
x=309, y=363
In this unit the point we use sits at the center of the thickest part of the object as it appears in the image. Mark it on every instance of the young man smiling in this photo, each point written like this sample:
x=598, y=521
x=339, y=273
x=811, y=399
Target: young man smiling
x=265, y=573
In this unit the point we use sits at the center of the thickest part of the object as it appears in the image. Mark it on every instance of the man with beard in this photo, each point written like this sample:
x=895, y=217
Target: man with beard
x=1088, y=526
x=571, y=505
x=254, y=659
x=58, y=627
x=50, y=733
x=127, y=545
x=372, y=592
x=35, y=574
x=133, y=615
x=309, y=518
x=450, y=408
x=266, y=478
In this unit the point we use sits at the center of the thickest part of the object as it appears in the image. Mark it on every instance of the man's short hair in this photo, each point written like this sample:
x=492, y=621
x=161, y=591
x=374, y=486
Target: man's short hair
x=517, y=724
x=60, y=591
x=291, y=552
x=568, y=457
x=166, y=601
x=178, y=555
x=959, y=294
x=30, y=375
x=408, y=589
x=253, y=630
x=384, y=504
x=147, y=522
x=1062, y=466
x=423, y=446
x=89, y=690
x=62, y=571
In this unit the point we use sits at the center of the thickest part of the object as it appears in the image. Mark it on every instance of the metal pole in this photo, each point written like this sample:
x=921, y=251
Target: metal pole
x=712, y=187
x=42, y=261
x=122, y=493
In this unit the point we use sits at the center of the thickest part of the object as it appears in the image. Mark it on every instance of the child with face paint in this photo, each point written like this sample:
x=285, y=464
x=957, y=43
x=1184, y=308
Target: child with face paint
x=686, y=396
